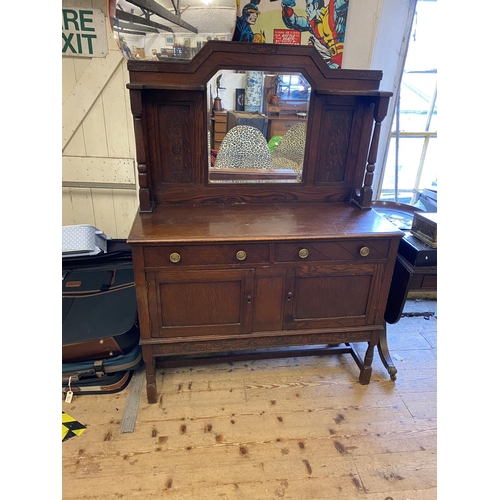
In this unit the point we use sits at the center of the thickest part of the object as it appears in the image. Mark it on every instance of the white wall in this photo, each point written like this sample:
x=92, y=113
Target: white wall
x=98, y=149
x=230, y=81
x=389, y=53
x=363, y=17
x=377, y=38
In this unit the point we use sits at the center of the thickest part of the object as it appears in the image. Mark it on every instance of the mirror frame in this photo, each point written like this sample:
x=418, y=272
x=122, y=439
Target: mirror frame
x=169, y=106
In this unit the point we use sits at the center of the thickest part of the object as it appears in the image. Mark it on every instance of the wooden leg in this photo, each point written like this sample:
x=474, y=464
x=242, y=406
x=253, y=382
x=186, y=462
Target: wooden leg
x=147, y=354
x=383, y=350
x=366, y=369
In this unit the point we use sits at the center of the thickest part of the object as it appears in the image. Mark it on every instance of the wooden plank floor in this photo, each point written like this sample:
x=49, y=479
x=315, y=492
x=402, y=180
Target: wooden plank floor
x=297, y=428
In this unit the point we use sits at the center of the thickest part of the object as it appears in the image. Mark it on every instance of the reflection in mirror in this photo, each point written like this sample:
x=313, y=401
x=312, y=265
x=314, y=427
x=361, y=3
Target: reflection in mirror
x=157, y=30
x=257, y=126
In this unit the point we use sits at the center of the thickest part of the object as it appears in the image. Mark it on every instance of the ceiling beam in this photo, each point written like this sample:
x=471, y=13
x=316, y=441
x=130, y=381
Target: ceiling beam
x=126, y=16
x=129, y=31
x=132, y=26
x=159, y=10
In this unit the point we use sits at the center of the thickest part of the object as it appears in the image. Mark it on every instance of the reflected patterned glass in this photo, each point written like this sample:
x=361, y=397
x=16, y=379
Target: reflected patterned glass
x=262, y=137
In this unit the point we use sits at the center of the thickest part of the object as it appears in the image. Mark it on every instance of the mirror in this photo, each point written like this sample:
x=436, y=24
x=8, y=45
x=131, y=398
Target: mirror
x=257, y=126
x=164, y=29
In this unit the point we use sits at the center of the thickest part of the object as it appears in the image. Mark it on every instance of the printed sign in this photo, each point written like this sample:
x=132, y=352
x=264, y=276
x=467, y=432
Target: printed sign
x=84, y=33
x=286, y=37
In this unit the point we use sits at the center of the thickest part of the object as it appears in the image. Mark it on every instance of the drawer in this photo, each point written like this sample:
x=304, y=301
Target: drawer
x=219, y=136
x=273, y=108
x=321, y=251
x=281, y=127
x=220, y=126
x=220, y=117
x=201, y=255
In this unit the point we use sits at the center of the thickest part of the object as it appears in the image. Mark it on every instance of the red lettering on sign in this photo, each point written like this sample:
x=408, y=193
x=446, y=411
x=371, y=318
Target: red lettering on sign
x=286, y=37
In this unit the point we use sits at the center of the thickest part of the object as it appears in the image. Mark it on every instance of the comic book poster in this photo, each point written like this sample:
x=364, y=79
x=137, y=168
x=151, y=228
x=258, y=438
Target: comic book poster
x=321, y=23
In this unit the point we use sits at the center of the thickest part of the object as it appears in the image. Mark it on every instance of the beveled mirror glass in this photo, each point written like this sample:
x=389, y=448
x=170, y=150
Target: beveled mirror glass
x=159, y=30
x=257, y=126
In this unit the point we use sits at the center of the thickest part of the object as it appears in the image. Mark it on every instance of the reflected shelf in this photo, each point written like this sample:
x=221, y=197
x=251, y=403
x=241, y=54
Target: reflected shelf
x=161, y=30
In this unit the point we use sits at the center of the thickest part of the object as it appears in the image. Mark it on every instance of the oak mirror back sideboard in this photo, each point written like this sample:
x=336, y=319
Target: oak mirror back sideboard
x=258, y=262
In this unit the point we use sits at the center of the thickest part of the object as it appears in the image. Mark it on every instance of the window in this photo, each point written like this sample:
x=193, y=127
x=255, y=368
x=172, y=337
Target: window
x=411, y=163
x=293, y=87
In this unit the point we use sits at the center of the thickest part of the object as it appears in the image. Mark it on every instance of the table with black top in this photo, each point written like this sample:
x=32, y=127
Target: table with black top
x=415, y=270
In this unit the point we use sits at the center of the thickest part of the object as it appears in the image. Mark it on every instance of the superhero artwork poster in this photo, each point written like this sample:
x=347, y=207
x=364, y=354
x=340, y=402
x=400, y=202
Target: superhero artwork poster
x=321, y=23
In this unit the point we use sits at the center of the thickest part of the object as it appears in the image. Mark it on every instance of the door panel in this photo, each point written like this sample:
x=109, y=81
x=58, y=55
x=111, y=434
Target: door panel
x=331, y=296
x=196, y=304
x=187, y=303
x=327, y=297
x=268, y=307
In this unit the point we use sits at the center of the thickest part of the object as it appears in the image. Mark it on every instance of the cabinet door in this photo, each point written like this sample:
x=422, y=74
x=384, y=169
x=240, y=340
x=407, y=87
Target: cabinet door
x=330, y=296
x=199, y=303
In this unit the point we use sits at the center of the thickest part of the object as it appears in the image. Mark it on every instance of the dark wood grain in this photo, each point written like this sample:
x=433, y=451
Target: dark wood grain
x=194, y=73
x=258, y=222
x=236, y=266
x=251, y=174
x=172, y=126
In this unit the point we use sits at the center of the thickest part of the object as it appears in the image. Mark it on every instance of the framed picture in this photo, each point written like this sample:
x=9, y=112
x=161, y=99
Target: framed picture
x=240, y=100
x=169, y=39
x=187, y=42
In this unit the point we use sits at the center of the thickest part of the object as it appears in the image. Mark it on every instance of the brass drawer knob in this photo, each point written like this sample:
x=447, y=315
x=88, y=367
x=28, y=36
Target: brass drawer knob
x=364, y=251
x=175, y=257
x=303, y=253
x=241, y=255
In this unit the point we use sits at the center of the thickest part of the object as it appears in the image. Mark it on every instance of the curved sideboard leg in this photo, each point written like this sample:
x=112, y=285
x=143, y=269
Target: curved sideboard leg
x=383, y=350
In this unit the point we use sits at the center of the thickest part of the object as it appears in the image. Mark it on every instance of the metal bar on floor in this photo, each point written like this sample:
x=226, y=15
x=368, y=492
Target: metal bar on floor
x=134, y=396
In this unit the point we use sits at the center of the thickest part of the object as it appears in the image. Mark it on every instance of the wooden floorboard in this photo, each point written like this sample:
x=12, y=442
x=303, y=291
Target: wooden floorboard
x=296, y=428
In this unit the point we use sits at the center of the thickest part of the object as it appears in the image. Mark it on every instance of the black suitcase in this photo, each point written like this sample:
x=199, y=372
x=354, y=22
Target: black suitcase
x=106, y=384
x=100, y=333
x=99, y=308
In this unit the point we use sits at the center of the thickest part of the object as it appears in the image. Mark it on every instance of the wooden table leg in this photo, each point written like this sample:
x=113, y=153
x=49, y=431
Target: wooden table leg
x=383, y=350
x=366, y=369
x=147, y=354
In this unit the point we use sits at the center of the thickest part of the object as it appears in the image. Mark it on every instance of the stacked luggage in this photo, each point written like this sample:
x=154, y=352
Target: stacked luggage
x=100, y=332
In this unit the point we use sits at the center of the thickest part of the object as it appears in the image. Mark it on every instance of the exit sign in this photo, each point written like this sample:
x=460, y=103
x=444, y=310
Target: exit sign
x=84, y=33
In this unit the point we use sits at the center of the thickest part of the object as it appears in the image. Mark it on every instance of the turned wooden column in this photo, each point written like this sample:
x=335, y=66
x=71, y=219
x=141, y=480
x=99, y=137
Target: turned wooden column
x=364, y=198
x=145, y=199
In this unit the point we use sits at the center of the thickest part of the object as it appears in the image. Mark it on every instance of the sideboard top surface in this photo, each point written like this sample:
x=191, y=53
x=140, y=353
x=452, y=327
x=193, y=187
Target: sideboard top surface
x=258, y=222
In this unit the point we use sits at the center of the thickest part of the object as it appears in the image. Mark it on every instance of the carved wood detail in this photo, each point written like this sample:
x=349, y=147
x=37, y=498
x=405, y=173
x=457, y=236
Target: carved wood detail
x=333, y=156
x=175, y=142
x=145, y=195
